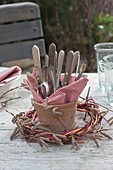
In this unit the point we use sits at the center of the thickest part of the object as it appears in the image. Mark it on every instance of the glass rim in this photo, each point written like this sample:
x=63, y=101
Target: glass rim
x=98, y=45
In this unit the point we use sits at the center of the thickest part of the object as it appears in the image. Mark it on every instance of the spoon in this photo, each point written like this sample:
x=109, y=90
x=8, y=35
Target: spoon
x=44, y=86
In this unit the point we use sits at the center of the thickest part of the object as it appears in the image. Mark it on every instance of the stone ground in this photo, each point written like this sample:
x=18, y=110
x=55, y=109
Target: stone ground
x=25, y=64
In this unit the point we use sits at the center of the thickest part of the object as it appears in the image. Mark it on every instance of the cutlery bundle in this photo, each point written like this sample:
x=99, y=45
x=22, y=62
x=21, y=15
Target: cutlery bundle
x=49, y=77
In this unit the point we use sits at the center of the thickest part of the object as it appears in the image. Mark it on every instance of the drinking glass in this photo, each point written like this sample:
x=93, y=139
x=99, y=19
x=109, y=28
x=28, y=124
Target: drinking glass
x=102, y=50
x=107, y=65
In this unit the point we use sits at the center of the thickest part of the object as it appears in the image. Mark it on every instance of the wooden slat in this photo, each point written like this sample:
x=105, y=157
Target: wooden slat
x=18, y=12
x=15, y=51
x=20, y=31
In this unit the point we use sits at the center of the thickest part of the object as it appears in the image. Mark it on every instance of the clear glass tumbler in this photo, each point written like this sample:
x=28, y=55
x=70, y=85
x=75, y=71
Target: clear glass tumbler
x=108, y=69
x=107, y=65
x=102, y=50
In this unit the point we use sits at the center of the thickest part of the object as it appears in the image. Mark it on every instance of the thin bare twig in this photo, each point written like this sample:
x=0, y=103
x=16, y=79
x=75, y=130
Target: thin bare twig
x=3, y=103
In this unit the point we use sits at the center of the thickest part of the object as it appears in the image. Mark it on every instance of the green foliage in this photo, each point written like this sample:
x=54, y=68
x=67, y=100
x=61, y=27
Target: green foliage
x=103, y=28
x=103, y=19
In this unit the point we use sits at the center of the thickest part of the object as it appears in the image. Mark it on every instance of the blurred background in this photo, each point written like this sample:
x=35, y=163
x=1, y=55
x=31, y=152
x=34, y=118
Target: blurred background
x=74, y=25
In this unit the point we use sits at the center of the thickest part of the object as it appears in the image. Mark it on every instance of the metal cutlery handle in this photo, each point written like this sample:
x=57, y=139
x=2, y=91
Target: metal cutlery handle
x=37, y=62
x=82, y=68
x=59, y=67
x=68, y=68
x=78, y=62
x=52, y=82
x=55, y=61
x=51, y=54
x=75, y=60
x=46, y=60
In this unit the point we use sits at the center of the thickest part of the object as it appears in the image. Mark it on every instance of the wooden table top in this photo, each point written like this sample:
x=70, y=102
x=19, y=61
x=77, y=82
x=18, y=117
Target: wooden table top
x=18, y=154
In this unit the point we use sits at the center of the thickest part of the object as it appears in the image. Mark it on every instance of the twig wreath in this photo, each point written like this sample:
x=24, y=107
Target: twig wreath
x=29, y=128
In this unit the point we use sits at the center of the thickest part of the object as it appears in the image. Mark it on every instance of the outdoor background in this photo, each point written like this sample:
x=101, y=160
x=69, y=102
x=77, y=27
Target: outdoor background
x=76, y=25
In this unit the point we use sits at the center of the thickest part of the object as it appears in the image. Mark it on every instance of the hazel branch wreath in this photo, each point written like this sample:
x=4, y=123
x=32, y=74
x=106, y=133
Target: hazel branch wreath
x=28, y=126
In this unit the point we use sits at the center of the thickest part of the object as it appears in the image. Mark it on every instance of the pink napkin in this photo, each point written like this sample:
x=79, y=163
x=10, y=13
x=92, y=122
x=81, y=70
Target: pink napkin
x=59, y=99
x=9, y=74
x=64, y=94
x=35, y=93
x=72, y=90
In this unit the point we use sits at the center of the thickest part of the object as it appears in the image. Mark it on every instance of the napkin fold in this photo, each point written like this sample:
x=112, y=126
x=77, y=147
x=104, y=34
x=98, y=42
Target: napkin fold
x=9, y=74
x=73, y=90
x=63, y=95
x=35, y=94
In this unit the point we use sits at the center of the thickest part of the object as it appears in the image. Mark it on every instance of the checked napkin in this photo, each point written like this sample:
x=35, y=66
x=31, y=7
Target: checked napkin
x=62, y=95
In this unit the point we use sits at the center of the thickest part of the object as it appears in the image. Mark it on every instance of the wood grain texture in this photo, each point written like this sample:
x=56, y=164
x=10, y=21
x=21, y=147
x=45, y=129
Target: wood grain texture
x=19, y=11
x=20, y=50
x=20, y=29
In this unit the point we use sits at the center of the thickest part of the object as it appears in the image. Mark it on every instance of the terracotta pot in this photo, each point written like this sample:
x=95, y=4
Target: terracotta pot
x=58, y=118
